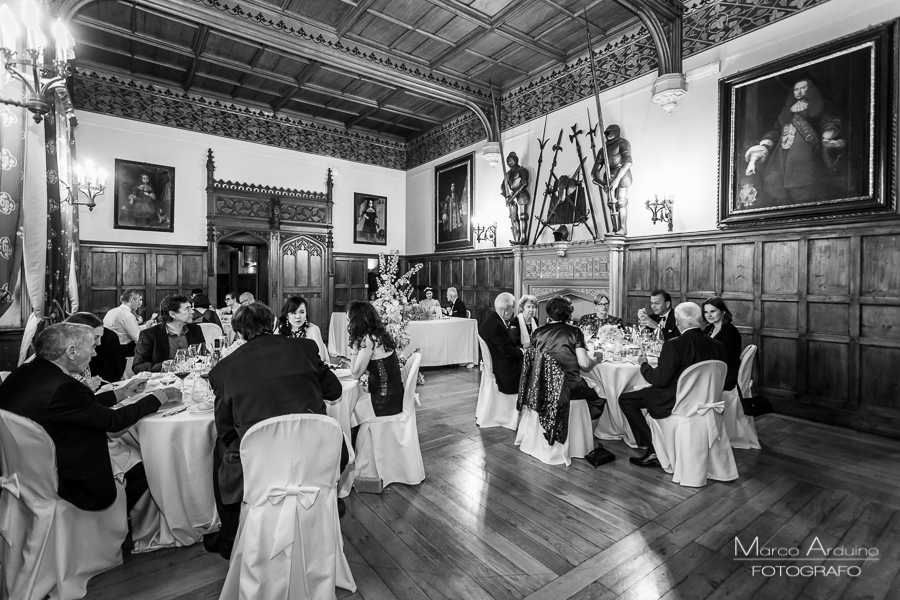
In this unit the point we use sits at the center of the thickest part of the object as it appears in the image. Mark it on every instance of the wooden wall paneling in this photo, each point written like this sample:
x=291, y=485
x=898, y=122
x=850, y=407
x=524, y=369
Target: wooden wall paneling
x=351, y=278
x=822, y=303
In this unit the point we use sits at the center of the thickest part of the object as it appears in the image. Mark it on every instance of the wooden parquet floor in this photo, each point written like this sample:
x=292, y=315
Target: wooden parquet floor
x=491, y=522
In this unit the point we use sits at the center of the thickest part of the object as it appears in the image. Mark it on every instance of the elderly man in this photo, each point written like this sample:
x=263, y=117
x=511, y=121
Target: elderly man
x=662, y=319
x=246, y=298
x=160, y=342
x=679, y=353
x=46, y=391
x=505, y=356
x=456, y=308
x=124, y=323
x=296, y=381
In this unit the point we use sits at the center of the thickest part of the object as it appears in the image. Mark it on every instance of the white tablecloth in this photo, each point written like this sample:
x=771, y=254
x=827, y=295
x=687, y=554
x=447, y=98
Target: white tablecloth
x=450, y=341
x=616, y=378
x=352, y=408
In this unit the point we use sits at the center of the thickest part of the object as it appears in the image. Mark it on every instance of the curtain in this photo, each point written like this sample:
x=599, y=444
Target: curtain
x=12, y=164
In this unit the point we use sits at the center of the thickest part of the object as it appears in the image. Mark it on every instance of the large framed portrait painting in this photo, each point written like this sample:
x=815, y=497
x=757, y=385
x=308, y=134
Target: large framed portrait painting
x=144, y=196
x=811, y=136
x=454, y=183
x=370, y=219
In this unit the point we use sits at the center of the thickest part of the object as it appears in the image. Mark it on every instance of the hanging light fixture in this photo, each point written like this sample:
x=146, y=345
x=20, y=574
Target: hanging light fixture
x=27, y=64
x=88, y=181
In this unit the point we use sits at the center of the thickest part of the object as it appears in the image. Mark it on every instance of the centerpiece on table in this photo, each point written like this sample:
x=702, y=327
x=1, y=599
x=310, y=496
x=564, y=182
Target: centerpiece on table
x=392, y=301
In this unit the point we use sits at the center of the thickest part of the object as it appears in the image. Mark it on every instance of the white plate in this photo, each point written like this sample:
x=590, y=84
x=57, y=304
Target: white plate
x=342, y=372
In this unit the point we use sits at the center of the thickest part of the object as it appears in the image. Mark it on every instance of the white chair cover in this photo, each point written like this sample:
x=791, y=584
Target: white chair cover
x=741, y=428
x=494, y=408
x=289, y=543
x=387, y=448
x=4, y=375
x=692, y=442
x=49, y=548
x=211, y=331
x=580, y=442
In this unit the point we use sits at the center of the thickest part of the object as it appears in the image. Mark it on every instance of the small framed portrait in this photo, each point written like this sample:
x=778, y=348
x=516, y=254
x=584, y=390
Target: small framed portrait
x=369, y=219
x=454, y=183
x=811, y=136
x=144, y=196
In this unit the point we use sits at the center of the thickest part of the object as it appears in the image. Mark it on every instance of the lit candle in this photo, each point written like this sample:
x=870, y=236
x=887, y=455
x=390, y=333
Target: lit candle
x=34, y=39
x=101, y=177
x=62, y=40
x=9, y=31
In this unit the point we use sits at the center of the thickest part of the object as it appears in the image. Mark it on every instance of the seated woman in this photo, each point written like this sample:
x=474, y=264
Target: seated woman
x=524, y=323
x=203, y=313
x=109, y=361
x=373, y=350
x=429, y=303
x=293, y=322
x=600, y=317
x=721, y=328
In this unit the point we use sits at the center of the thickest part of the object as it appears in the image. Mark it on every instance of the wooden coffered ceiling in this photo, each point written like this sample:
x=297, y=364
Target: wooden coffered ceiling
x=395, y=68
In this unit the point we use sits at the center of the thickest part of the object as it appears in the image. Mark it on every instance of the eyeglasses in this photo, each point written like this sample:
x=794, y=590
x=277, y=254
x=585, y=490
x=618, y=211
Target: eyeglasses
x=601, y=304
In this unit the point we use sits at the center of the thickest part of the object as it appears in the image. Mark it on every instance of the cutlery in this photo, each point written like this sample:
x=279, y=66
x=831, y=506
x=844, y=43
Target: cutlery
x=174, y=412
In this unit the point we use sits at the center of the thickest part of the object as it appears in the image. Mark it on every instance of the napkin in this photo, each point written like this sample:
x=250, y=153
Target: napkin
x=342, y=372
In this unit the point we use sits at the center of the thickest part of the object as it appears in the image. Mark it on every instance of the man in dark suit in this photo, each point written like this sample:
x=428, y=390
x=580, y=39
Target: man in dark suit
x=161, y=342
x=268, y=376
x=679, y=353
x=663, y=317
x=456, y=308
x=77, y=420
x=505, y=356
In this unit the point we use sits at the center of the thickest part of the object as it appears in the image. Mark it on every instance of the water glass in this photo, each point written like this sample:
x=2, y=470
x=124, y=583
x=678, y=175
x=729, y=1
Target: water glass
x=200, y=391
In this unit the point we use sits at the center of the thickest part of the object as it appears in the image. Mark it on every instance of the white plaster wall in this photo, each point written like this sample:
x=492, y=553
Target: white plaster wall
x=673, y=154
x=102, y=139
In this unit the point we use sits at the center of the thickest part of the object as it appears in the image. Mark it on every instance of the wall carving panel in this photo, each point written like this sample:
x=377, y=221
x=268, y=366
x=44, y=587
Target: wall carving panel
x=568, y=267
x=821, y=303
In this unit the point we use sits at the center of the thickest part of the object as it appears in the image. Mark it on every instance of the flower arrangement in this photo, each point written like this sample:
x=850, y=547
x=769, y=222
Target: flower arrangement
x=612, y=332
x=416, y=312
x=392, y=299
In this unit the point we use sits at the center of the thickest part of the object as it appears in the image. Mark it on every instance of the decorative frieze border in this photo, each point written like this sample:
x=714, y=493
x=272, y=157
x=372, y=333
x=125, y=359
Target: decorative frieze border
x=110, y=95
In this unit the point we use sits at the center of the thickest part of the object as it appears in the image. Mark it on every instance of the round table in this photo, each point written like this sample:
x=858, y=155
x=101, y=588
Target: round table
x=616, y=378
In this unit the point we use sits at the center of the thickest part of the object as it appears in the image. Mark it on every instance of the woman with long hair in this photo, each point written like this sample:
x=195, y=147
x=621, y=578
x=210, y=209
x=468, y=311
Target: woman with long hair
x=372, y=350
x=294, y=322
x=721, y=328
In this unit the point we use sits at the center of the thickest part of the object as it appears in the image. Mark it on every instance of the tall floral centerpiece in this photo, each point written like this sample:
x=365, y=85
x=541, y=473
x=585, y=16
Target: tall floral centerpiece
x=393, y=298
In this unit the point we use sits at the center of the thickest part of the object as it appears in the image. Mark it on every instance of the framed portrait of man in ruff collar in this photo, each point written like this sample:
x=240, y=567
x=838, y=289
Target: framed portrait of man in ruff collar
x=810, y=136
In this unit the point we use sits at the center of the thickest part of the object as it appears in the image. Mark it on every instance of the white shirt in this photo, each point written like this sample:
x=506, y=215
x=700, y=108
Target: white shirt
x=122, y=321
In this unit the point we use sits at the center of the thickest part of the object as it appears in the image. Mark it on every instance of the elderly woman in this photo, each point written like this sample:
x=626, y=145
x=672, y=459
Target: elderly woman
x=721, y=328
x=592, y=323
x=294, y=322
x=525, y=322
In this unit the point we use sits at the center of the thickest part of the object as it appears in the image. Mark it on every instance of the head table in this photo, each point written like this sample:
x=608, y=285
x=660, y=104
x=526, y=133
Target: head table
x=448, y=341
x=177, y=451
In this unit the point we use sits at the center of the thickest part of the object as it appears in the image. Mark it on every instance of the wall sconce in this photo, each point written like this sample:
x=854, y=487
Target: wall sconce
x=485, y=234
x=87, y=181
x=491, y=153
x=28, y=65
x=661, y=209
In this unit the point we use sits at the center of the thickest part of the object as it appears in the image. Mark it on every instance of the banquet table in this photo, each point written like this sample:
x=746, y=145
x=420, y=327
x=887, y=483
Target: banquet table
x=352, y=408
x=616, y=378
x=177, y=452
x=449, y=341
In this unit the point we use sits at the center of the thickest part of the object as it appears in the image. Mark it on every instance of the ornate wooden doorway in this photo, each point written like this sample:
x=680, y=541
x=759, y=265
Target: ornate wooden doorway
x=292, y=228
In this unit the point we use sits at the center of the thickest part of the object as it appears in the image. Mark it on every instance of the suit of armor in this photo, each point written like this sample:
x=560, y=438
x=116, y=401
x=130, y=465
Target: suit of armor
x=619, y=151
x=515, y=190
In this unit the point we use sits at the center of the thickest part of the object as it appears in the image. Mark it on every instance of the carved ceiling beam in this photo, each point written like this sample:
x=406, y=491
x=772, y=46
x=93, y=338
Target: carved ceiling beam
x=252, y=64
x=350, y=20
x=302, y=77
x=455, y=50
x=199, y=46
x=362, y=116
x=570, y=16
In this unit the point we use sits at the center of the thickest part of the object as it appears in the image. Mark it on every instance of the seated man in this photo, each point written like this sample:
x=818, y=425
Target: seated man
x=663, y=319
x=505, y=356
x=160, y=342
x=566, y=344
x=268, y=376
x=124, y=323
x=45, y=391
x=679, y=353
x=456, y=308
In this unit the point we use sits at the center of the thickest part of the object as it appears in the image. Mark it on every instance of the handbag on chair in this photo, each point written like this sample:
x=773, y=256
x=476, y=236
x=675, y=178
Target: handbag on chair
x=754, y=406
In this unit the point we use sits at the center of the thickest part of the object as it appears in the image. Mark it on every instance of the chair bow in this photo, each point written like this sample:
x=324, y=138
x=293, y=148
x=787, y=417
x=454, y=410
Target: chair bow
x=291, y=498
x=11, y=485
x=709, y=410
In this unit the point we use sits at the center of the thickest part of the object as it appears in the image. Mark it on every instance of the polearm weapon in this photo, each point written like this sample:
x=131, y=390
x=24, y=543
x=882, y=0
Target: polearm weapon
x=556, y=148
x=496, y=124
x=591, y=132
x=601, y=127
x=542, y=141
x=574, y=138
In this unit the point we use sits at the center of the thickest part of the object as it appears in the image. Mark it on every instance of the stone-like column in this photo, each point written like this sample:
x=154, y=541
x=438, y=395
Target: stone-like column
x=617, y=289
x=518, y=270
